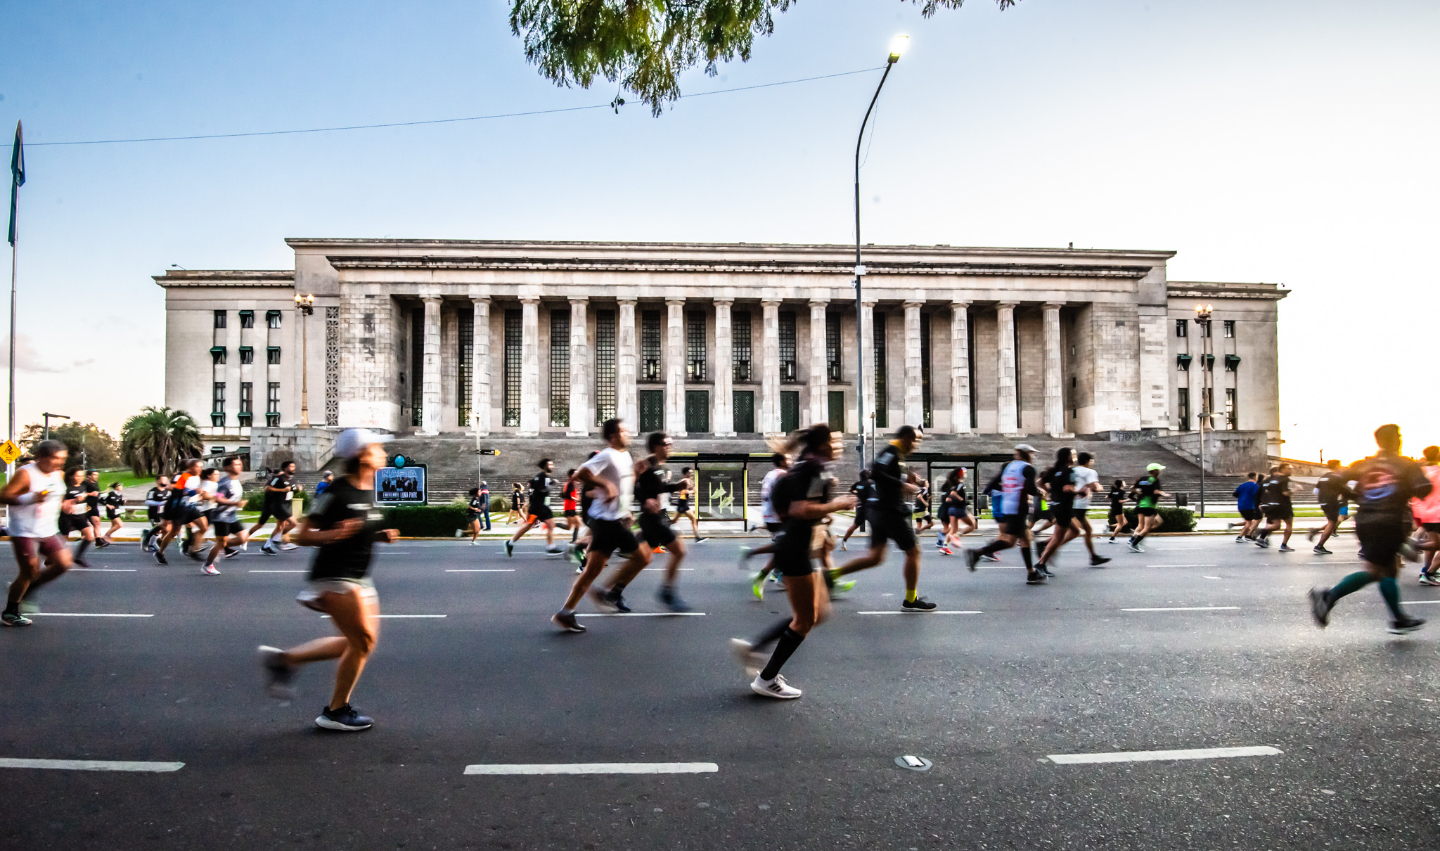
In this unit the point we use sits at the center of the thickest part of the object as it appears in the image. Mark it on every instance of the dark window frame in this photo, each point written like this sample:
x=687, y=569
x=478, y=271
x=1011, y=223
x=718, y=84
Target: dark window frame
x=560, y=367
x=218, y=355
x=221, y=319
x=742, y=347
x=272, y=355
x=788, y=370
x=882, y=414
x=247, y=319
x=272, y=319
x=1182, y=328
x=605, y=370
x=465, y=368
x=695, y=346
x=512, y=364
x=834, y=367
x=1228, y=328
x=651, y=350
x=247, y=355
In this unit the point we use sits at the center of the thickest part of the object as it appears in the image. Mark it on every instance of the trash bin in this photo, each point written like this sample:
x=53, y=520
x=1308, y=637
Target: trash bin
x=1182, y=500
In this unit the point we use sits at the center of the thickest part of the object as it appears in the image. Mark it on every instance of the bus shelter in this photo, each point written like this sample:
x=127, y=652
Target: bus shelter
x=722, y=482
x=979, y=469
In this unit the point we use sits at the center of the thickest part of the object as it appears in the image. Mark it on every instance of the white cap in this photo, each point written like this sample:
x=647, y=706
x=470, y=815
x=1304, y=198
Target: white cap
x=352, y=440
x=1025, y=447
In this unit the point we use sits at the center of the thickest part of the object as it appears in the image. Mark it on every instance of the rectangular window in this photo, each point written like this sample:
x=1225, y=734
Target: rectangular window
x=514, y=355
x=1182, y=410
x=604, y=365
x=417, y=366
x=1229, y=326
x=1182, y=327
x=652, y=411
x=833, y=371
x=740, y=348
x=787, y=348
x=789, y=410
x=272, y=405
x=970, y=370
x=882, y=417
x=220, y=318
x=217, y=355
x=1232, y=419
x=925, y=367
x=247, y=354
x=217, y=404
x=247, y=402
x=465, y=380
x=744, y=406
x=650, y=346
x=695, y=350
x=837, y=409
x=272, y=354
x=247, y=319
x=697, y=411
x=560, y=367
x=272, y=319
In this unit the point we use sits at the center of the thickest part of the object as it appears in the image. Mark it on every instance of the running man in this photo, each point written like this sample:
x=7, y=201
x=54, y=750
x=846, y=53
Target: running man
x=1384, y=485
x=803, y=499
x=114, y=502
x=92, y=502
x=779, y=465
x=1331, y=491
x=277, y=504
x=75, y=515
x=540, y=485
x=34, y=494
x=683, y=508
x=326, y=480
x=612, y=474
x=181, y=509
x=655, y=531
x=1275, y=504
x=343, y=524
x=1117, y=519
x=485, y=505
x=890, y=519
x=154, y=511
x=864, y=493
x=1015, y=484
x=1247, y=503
x=1147, y=506
x=229, y=493
x=1084, y=481
x=570, y=504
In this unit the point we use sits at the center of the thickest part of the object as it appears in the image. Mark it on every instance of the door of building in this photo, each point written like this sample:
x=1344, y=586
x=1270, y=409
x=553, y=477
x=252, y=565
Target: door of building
x=697, y=411
x=789, y=410
x=837, y=410
x=744, y=406
x=652, y=411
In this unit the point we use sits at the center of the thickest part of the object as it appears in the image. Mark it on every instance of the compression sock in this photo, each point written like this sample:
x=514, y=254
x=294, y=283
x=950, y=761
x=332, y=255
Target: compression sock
x=789, y=642
x=993, y=547
x=1391, y=592
x=772, y=634
x=1026, y=556
x=1349, y=585
x=80, y=550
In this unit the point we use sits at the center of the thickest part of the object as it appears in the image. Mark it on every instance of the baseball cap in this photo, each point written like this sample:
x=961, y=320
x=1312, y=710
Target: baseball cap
x=352, y=440
x=1024, y=447
x=1154, y=468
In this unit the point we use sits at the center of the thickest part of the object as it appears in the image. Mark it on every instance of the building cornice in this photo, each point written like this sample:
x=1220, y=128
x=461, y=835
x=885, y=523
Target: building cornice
x=225, y=278
x=1209, y=289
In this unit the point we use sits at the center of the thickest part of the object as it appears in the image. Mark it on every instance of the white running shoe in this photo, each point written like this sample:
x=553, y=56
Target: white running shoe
x=776, y=688
x=1136, y=548
x=212, y=570
x=287, y=547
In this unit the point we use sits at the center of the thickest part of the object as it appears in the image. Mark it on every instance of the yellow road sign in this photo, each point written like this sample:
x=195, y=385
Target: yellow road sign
x=9, y=452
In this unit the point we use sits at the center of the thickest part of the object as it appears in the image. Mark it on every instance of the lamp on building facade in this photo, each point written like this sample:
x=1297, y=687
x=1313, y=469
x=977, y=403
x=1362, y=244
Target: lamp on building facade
x=306, y=305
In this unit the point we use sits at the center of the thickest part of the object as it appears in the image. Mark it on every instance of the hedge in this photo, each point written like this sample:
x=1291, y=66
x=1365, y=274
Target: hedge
x=1172, y=519
x=426, y=521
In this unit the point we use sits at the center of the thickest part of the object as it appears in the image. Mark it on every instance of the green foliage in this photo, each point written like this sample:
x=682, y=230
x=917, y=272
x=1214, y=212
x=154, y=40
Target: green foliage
x=88, y=445
x=1172, y=519
x=499, y=505
x=645, y=45
x=157, y=440
x=426, y=521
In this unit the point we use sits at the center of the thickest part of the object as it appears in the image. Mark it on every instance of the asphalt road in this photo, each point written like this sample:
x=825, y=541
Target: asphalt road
x=986, y=697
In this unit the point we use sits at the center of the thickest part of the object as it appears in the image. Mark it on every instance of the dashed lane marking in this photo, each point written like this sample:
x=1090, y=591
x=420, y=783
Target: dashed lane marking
x=596, y=768
x=91, y=764
x=642, y=615
x=1166, y=564
x=932, y=612
x=483, y=570
x=1185, y=609
x=102, y=570
x=1161, y=756
x=278, y=571
x=85, y=615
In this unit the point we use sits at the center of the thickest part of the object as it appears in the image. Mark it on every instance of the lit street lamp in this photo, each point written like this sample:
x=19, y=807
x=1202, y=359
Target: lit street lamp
x=1202, y=319
x=897, y=47
x=306, y=305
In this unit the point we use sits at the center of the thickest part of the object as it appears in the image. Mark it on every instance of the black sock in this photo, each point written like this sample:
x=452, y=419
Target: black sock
x=80, y=550
x=1026, y=557
x=993, y=547
x=789, y=642
x=772, y=634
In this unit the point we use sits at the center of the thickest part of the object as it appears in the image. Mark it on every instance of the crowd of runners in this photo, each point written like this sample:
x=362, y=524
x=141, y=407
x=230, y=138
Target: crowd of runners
x=1397, y=501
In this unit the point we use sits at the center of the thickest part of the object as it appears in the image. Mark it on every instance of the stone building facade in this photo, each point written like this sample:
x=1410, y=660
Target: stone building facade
x=548, y=339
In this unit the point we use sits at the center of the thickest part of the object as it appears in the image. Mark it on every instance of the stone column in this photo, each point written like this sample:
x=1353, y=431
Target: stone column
x=722, y=416
x=480, y=368
x=1054, y=392
x=430, y=382
x=529, y=368
x=959, y=366
x=675, y=367
x=1007, y=416
x=867, y=378
x=819, y=379
x=580, y=413
x=627, y=398
x=770, y=370
x=914, y=393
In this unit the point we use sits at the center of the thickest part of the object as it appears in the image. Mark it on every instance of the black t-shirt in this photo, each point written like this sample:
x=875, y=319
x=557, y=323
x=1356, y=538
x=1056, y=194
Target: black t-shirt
x=279, y=480
x=1331, y=489
x=1147, y=491
x=1384, y=485
x=348, y=558
x=92, y=494
x=113, y=499
x=1276, y=490
x=477, y=503
x=650, y=485
x=1056, y=480
x=955, y=496
x=1117, y=499
x=805, y=482
x=887, y=475
x=76, y=493
x=540, y=485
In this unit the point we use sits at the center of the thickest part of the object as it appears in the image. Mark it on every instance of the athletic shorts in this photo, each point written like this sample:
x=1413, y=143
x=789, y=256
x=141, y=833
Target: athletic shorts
x=540, y=513
x=774, y=529
x=609, y=536
x=683, y=506
x=94, y=512
x=316, y=588
x=1279, y=512
x=112, y=513
x=1248, y=514
x=1117, y=516
x=793, y=559
x=280, y=511
x=1430, y=527
x=226, y=528
x=74, y=523
x=1380, y=542
x=1061, y=515
x=1332, y=512
x=892, y=527
x=569, y=512
x=655, y=531
x=471, y=515
x=1150, y=511
x=49, y=546
x=515, y=505
x=861, y=518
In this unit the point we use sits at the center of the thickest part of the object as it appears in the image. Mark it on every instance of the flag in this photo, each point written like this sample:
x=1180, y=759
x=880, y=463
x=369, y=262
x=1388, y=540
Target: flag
x=17, y=176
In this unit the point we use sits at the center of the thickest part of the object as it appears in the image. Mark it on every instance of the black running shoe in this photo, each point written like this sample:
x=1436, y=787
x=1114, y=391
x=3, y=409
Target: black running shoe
x=197, y=556
x=1405, y=625
x=971, y=557
x=1320, y=606
x=567, y=622
x=160, y=557
x=80, y=561
x=1044, y=571
x=1035, y=579
x=919, y=605
x=101, y=543
x=1096, y=561
x=602, y=599
x=617, y=599
x=672, y=601
x=345, y=719
x=1321, y=551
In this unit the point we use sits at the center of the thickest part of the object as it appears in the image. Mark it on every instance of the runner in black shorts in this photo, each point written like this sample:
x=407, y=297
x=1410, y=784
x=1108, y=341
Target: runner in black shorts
x=540, y=485
x=1015, y=484
x=473, y=512
x=1147, y=506
x=276, y=503
x=75, y=515
x=92, y=502
x=1384, y=485
x=225, y=519
x=655, y=529
x=864, y=493
x=1117, y=496
x=1331, y=492
x=683, y=508
x=581, y=540
x=114, y=502
x=1059, y=483
x=155, y=510
x=1275, y=503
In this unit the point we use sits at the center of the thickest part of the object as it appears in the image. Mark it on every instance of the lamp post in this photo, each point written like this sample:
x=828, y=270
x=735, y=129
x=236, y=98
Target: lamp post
x=1202, y=321
x=306, y=305
x=48, y=417
x=897, y=47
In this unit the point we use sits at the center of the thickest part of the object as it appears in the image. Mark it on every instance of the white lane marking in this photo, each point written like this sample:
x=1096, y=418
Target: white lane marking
x=999, y=567
x=666, y=568
x=1159, y=756
x=1420, y=602
x=1181, y=565
x=277, y=571
x=91, y=765
x=102, y=570
x=643, y=615
x=596, y=768
x=484, y=570
x=1185, y=609
x=83, y=615
x=1211, y=577
x=932, y=612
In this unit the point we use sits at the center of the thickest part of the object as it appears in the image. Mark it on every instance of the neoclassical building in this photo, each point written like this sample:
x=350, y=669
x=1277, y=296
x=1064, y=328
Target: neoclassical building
x=548, y=339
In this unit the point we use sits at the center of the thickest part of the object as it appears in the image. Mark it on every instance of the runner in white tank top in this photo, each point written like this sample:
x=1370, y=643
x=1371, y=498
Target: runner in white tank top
x=33, y=495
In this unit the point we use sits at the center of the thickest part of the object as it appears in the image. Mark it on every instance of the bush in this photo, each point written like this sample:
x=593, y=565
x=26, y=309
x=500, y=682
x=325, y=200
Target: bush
x=499, y=505
x=426, y=521
x=1172, y=519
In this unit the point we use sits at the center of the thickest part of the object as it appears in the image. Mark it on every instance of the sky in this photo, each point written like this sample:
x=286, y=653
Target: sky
x=1284, y=141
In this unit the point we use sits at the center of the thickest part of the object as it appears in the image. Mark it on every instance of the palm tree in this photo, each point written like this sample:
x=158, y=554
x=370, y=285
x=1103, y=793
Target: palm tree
x=158, y=440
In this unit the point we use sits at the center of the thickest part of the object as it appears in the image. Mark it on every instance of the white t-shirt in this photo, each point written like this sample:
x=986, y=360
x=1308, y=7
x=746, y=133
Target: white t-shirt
x=767, y=508
x=1083, y=477
x=618, y=468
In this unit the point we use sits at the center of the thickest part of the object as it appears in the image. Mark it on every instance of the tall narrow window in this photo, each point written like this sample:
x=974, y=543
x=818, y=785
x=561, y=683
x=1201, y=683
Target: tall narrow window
x=1229, y=326
x=217, y=404
x=740, y=346
x=1232, y=416
x=272, y=355
x=465, y=379
x=833, y=371
x=514, y=354
x=247, y=354
x=247, y=319
x=970, y=370
x=417, y=366
x=272, y=319
x=882, y=417
x=695, y=349
x=604, y=365
x=787, y=347
x=925, y=367
x=650, y=346
x=1182, y=327
x=272, y=404
x=247, y=402
x=560, y=367
x=1183, y=409
x=220, y=319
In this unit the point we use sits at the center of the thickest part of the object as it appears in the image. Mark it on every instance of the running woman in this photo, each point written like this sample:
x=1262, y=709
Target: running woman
x=473, y=514
x=209, y=486
x=1427, y=515
x=517, y=504
x=1331, y=492
x=1278, y=510
x=154, y=511
x=864, y=493
x=570, y=504
x=1117, y=519
x=803, y=499
x=942, y=512
x=228, y=500
x=655, y=531
x=1058, y=483
x=180, y=509
x=277, y=504
x=114, y=502
x=779, y=465
x=92, y=502
x=1384, y=485
x=960, y=514
x=612, y=473
x=540, y=485
x=1085, y=481
x=343, y=524
x=34, y=495
x=1016, y=487
x=890, y=520
x=1247, y=503
x=924, y=518
x=75, y=515
x=1147, y=506
x=683, y=508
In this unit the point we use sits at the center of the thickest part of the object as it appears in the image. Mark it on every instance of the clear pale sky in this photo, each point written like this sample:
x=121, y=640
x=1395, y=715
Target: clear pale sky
x=1288, y=141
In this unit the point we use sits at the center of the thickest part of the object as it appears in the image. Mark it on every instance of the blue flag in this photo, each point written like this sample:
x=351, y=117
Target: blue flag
x=17, y=176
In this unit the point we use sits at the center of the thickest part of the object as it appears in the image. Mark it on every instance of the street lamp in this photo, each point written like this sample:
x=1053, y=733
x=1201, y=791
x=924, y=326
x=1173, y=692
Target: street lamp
x=1203, y=313
x=306, y=305
x=48, y=417
x=897, y=47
